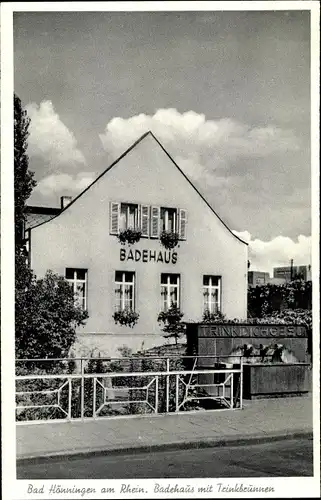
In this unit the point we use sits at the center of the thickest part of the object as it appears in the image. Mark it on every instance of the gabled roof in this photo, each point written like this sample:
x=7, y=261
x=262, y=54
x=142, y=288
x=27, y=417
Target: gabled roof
x=38, y=215
x=173, y=161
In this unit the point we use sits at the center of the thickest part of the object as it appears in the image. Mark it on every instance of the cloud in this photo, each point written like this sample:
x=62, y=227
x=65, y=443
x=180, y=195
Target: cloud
x=64, y=183
x=264, y=255
x=50, y=139
x=208, y=144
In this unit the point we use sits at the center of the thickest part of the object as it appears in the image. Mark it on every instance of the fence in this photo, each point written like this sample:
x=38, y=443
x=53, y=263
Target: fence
x=91, y=388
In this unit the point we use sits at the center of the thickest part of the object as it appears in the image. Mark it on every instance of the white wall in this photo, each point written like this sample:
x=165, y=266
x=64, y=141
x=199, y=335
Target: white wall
x=79, y=237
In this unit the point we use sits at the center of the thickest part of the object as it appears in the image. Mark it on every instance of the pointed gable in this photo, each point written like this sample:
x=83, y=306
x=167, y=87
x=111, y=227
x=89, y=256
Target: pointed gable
x=147, y=148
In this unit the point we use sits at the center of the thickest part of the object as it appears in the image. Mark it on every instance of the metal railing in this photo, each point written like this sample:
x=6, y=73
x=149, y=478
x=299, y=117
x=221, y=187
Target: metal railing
x=160, y=385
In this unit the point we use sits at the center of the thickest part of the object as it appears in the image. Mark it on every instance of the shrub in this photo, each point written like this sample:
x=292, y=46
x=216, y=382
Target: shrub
x=266, y=299
x=46, y=317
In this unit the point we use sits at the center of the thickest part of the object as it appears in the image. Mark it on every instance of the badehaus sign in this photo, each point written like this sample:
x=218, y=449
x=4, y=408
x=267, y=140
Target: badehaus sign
x=248, y=330
x=168, y=257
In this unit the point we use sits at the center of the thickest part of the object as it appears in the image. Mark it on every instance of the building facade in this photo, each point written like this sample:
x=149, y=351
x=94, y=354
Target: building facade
x=261, y=278
x=143, y=190
x=289, y=273
x=256, y=278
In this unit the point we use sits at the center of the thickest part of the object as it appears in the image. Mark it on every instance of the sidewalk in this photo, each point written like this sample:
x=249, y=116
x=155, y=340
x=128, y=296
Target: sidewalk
x=259, y=420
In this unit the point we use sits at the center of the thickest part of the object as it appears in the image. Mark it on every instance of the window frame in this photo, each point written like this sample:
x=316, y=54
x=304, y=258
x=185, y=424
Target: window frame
x=127, y=205
x=168, y=287
x=74, y=281
x=210, y=288
x=123, y=283
x=164, y=223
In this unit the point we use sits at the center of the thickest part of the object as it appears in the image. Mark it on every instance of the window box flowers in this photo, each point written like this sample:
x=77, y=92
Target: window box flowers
x=126, y=317
x=129, y=236
x=169, y=239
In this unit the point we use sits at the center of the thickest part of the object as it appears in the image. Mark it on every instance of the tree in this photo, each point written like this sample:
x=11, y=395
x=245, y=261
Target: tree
x=46, y=315
x=46, y=324
x=172, y=322
x=23, y=178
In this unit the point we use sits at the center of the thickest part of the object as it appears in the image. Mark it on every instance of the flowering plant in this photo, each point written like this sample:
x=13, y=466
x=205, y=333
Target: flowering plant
x=126, y=317
x=209, y=317
x=169, y=239
x=129, y=236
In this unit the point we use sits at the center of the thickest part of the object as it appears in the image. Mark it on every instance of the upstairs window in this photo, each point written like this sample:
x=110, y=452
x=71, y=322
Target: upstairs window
x=150, y=220
x=77, y=278
x=124, y=290
x=168, y=219
x=170, y=291
x=128, y=216
x=212, y=293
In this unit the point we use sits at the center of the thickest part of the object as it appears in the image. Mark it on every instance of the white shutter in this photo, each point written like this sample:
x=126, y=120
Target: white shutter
x=144, y=220
x=154, y=227
x=182, y=223
x=114, y=210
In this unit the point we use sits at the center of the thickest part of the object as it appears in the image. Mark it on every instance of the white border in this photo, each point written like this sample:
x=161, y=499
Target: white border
x=13, y=489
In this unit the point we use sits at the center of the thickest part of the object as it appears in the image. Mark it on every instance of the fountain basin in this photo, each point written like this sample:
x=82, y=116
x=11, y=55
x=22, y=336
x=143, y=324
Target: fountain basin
x=270, y=380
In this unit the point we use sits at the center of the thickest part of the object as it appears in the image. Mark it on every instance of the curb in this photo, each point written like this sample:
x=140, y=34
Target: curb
x=237, y=440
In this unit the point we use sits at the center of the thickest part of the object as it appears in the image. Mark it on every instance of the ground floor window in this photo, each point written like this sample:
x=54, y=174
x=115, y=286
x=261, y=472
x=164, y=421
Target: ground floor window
x=77, y=278
x=170, y=290
x=124, y=290
x=212, y=293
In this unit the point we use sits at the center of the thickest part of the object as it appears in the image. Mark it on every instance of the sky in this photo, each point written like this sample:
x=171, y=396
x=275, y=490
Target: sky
x=226, y=93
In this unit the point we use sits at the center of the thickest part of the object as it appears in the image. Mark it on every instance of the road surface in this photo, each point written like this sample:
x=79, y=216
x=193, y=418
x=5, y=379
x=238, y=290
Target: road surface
x=278, y=458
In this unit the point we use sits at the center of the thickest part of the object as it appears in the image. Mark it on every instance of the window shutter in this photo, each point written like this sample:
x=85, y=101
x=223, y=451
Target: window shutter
x=114, y=210
x=144, y=220
x=182, y=224
x=154, y=230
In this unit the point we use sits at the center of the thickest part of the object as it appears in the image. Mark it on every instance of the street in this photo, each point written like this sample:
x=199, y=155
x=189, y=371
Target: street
x=278, y=458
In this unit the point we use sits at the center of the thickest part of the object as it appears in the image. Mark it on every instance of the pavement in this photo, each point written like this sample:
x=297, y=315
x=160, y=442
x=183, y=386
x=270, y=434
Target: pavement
x=259, y=421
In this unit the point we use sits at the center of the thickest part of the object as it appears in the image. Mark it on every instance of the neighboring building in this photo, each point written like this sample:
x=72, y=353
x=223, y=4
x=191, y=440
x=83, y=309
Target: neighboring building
x=260, y=278
x=293, y=272
x=256, y=278
x=144, y=189
x=276, y=281
x=38, y=215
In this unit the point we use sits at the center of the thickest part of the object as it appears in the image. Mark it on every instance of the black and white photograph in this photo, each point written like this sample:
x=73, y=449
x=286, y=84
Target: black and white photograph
x=160, y=229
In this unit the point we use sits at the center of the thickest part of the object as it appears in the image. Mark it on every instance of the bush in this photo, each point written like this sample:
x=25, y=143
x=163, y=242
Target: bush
x=266, y=299
x=46, y=317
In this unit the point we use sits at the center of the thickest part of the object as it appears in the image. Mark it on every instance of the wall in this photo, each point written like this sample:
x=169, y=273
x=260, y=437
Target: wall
x=79, y=238
x=261, y=381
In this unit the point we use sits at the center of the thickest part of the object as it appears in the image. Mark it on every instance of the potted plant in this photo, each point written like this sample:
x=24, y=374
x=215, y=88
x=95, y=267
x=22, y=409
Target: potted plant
x=126, y=317
x=129, y=236
x=169, y=239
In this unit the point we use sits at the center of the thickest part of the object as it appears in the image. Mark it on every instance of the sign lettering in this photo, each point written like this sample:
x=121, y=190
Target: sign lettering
x=248, y=330
x=145, y=255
